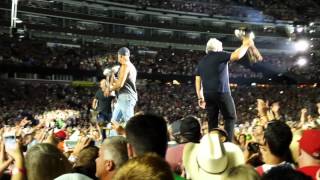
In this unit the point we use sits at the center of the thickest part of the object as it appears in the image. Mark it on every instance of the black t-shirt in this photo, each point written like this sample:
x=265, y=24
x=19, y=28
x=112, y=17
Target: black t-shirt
x=104, y=103
x=214, y=73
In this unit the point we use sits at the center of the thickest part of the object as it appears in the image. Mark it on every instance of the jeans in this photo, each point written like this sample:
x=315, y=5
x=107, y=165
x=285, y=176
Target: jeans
x=124, y=108
x=216, y=102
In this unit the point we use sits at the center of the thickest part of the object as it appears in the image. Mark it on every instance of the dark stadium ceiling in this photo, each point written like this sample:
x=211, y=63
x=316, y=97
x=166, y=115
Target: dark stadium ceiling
x=220, y=27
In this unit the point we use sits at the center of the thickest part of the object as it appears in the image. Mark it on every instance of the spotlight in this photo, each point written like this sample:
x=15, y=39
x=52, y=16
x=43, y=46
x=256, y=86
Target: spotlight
x=18, y=21
x=299, y=29
x=311, y=23
x=312, y=31
x=301, y=45
x=301, y=61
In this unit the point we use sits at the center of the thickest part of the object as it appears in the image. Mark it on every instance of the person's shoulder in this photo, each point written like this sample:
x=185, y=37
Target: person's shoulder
x=204, y=59
x=216, y=54
x=309, y=169
x=130, y=65
x=224, y=53
x=176, y=148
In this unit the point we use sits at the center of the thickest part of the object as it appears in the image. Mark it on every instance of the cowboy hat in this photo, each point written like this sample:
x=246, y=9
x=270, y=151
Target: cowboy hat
x=210, y=159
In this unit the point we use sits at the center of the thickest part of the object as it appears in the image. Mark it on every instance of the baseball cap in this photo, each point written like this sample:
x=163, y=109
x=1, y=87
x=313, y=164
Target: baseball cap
x=61, y=135
x=190, y=125
x=124, y=51
x=310, y=142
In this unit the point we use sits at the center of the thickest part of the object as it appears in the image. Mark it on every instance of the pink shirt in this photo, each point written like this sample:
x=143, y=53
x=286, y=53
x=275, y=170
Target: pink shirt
x=174, y=157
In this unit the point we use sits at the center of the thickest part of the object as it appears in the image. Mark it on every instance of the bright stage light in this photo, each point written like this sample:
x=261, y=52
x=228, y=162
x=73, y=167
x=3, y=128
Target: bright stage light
x=18, y=21
x=301, y=61
x=301, y=45
x=299, y=29
x=312, y=31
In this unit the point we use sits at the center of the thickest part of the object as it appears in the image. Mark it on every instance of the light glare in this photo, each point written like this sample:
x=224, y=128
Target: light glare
x=301, y=45
x=301, y=62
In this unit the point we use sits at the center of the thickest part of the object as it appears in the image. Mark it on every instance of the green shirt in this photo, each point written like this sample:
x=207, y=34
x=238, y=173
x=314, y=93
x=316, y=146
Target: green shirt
x=177, y=177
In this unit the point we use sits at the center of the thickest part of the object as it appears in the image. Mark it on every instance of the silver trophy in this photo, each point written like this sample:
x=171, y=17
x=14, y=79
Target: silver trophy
x=253, y=53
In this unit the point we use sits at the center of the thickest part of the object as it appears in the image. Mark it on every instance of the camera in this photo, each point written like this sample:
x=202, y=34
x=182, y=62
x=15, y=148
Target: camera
x=253, y=147
x=10, y=141
x=69, y=144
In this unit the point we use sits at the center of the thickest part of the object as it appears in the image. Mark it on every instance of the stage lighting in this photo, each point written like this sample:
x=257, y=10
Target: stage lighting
x=18, y=21
x=301, y=61
x=299, y=29
x=311, y=23
x=312, y=31
x=301, y=45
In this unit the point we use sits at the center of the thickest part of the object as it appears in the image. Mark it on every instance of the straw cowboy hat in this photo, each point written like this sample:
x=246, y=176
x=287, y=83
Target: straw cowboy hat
x=210, y=159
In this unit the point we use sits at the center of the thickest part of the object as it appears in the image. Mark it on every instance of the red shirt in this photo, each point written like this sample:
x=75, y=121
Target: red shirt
x=174, y=156
x=310, y=171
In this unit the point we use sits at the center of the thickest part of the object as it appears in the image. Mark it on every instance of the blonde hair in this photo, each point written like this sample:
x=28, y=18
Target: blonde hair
x=147, y=167
x=45, y=161
x=214, y=45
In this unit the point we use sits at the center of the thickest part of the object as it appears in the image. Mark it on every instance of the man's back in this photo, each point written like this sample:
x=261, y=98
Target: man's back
x=213, y=70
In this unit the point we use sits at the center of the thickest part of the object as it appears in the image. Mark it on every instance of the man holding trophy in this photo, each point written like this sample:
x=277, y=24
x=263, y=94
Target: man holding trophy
x=212, y=79
x=125, y=88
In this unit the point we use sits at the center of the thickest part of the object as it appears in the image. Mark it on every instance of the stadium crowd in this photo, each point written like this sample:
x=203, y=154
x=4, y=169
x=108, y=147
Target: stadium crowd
x=31, y=53
x=286, y=10
x=50, y=131
x=249, y=10
x=56, y=119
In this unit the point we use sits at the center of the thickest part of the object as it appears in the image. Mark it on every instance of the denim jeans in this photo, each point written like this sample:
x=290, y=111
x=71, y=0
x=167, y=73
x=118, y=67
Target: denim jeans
x=124, y=108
